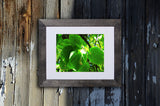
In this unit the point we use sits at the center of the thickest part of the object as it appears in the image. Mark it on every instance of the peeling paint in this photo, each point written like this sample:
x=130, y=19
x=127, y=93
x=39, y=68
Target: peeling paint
x=9, y=62
x=116, y=97
x=154, y=79
x=148, y=77
x=135, y=65
x=97, y=97
x=134, y=76
x=31, y=50
x=126, y=62
x=148, y=32
x=60, y=91
x=135, y=97
x=2, y=89
x=155, y=45
x=123, y=69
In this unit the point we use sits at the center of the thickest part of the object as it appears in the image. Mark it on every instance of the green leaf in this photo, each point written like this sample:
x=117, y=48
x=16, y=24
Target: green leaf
x=77, y=41
x=66, y=53
x=84, y=68
x=59, y=39
x=62, y=65
x=66, y=42
x=75, y=60
x=96, y=55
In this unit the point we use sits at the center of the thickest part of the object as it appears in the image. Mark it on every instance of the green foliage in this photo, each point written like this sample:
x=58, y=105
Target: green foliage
x=80, y=53
x=96, y=55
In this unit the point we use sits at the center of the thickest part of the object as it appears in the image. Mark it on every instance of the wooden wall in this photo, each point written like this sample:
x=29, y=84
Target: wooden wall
x=140, y=59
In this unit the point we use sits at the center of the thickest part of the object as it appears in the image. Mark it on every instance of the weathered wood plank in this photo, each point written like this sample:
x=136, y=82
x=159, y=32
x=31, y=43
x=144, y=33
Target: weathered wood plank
x=81, y=97
x=82, y=10
x=89, y=9
x=35, y=92
x=8, y=66
x=97, y=97
x=98, y=9
x=8, y=29
x=152, y=53
x=22, y=56
x=136, y=58
x=1, y=35
x=52, y=9
x=51, y=97
x=113, y=96
x=114, y=9
x=66, y=97
x=66, y=10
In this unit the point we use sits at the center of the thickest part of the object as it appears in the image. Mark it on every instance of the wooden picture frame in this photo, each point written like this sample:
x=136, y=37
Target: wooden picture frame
x=44, y=23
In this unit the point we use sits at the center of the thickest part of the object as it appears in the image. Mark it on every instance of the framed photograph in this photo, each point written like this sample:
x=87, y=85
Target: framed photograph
x=79, y=53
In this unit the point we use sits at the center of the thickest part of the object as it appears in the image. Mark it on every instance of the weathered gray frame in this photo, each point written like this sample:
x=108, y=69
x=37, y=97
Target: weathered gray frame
x=43, y=23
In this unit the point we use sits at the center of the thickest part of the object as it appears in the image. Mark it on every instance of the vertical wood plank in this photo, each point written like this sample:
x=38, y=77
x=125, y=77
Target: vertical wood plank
x=98, y=9
x=1, y=35
x=52, y=9
x=66, y=98
x=114, y=96
x=89, y=9
x=67, y=8
x=152, y=53
x=8, y=27
x=35, y=92
x=97, y=97
x=82, y=10
x=136, y=58
x=22, y=55
x=51, y=97
x=81, y=97
x=66, y=11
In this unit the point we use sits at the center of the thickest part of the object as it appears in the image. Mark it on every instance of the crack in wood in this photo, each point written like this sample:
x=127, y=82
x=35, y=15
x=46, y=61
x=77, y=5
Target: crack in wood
x=25, y=26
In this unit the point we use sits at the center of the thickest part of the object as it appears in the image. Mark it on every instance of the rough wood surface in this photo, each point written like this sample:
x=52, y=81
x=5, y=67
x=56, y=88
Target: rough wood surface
x=136, y=38
x=152, y=53
x=8, y=52
x=34, y=90
x=51, y=97
x=66, y=9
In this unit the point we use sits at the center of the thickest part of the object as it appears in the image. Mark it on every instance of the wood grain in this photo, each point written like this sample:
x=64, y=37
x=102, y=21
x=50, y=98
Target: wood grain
x=115, y=12
x=8, y=38
x=51, y=97
x=136, y=52
x=66, y=11
x=152, y=47
x=34, y=90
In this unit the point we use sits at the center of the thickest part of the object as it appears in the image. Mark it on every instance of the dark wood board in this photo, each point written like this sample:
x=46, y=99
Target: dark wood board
x=135, y=24
x=152, y=53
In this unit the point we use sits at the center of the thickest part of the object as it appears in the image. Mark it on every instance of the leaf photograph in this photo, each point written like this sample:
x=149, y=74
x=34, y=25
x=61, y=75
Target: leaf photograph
x=79, y=52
